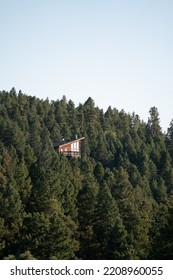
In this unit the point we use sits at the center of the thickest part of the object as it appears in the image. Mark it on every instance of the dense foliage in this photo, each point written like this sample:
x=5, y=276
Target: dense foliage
x=115, y=202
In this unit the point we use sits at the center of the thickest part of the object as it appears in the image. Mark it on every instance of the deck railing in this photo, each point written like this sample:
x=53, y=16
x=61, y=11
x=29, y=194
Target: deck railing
x=71, y=153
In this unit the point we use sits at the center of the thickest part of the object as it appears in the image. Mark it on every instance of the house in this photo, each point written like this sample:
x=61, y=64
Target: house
x=70, y=148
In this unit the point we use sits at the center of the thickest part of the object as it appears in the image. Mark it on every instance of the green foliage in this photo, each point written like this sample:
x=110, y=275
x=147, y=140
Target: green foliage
x=115, y=202
x=86, y=203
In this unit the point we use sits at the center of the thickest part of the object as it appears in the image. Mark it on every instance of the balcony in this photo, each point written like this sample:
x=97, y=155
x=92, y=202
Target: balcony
x=71, y=154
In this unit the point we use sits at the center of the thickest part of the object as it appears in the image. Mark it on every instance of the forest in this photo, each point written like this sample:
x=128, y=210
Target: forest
x=115, y=202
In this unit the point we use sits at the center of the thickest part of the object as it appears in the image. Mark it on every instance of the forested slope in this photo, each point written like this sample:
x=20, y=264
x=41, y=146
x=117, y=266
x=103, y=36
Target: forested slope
x=116, y=202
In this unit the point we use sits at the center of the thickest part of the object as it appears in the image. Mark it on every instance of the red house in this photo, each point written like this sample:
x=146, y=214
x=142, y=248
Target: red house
x=70, y=148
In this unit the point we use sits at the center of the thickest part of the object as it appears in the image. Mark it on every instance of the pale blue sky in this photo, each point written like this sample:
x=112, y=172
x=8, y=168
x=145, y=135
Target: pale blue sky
x=119, y=52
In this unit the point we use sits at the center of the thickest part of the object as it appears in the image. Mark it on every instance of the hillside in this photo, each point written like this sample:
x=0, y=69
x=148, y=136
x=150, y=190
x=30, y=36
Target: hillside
x=115, y=202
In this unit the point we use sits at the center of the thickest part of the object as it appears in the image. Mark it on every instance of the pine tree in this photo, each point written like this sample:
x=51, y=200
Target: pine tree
x=86, y=203
x=109, y=231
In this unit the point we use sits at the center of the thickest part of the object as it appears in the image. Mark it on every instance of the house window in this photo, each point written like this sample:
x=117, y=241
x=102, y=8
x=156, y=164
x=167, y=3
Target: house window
x=76, y=146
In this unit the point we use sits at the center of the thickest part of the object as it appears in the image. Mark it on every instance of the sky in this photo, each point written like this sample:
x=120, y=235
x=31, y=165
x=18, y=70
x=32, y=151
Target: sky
x=119, y=52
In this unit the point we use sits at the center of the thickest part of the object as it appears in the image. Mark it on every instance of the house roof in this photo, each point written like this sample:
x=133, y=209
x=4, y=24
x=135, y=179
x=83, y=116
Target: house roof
x=65, y=142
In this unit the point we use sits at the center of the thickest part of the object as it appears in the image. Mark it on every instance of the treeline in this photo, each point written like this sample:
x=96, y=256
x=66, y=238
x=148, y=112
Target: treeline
x=115, y=202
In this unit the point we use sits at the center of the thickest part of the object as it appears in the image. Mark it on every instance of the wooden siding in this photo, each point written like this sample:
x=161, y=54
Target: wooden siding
x=70, y=148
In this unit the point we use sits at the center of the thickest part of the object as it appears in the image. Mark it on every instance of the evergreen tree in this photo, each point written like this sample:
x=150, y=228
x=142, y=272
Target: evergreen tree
x=86, y=203
x=109, y=230
x=115, y=202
